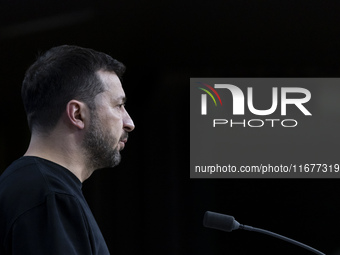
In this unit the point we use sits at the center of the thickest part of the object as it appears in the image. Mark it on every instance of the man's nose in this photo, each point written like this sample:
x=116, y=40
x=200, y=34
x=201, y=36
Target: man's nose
x=128, y=124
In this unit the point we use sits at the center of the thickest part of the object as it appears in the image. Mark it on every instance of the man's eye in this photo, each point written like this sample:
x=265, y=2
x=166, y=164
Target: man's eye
x=121, y=105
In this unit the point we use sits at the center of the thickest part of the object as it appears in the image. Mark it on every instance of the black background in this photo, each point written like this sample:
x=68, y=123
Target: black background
x=148, y=204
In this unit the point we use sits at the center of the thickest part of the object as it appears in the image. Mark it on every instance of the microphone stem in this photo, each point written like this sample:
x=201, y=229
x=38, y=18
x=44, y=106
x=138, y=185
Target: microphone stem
x=259, y=230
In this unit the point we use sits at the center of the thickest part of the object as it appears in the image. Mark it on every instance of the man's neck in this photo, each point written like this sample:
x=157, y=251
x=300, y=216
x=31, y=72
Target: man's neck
x=60, y=151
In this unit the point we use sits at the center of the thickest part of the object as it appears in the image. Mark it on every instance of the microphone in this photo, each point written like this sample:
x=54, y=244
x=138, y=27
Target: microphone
x=228, y=223
x=220, y=221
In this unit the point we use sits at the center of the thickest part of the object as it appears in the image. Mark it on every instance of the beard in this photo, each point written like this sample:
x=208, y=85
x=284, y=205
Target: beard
x=101, y=150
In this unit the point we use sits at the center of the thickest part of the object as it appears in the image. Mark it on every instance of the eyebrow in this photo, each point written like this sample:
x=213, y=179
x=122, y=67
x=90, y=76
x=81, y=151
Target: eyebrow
x=121, y=98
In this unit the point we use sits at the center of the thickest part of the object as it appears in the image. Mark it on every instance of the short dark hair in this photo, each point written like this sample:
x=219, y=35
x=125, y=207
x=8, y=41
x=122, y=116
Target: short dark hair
x=59, y=75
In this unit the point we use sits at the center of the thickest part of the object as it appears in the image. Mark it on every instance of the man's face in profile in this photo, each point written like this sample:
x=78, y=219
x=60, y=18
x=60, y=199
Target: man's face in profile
x=109, y=124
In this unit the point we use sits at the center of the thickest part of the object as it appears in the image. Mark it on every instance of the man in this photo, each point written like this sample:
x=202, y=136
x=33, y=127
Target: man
x=74, y=103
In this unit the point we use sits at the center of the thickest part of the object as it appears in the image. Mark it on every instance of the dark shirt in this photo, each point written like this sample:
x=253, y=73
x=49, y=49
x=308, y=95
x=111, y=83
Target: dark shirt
x=43, y=211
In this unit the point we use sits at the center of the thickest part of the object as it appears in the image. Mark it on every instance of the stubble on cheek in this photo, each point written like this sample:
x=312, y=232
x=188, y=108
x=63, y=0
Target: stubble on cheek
x=101, y=148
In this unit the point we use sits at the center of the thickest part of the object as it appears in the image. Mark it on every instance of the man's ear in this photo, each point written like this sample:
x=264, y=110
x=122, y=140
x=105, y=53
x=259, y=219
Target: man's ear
x=76, y=113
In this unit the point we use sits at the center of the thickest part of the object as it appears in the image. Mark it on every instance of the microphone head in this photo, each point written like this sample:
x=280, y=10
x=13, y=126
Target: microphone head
x=220, y=221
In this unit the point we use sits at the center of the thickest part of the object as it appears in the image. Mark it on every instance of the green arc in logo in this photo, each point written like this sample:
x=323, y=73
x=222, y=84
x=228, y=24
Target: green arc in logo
x=209, y=95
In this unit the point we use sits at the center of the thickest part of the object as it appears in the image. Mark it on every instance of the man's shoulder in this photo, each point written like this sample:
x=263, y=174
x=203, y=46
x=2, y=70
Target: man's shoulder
x=21, y=174
x=36, y=176
x=22, y=185
x=28, y=182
